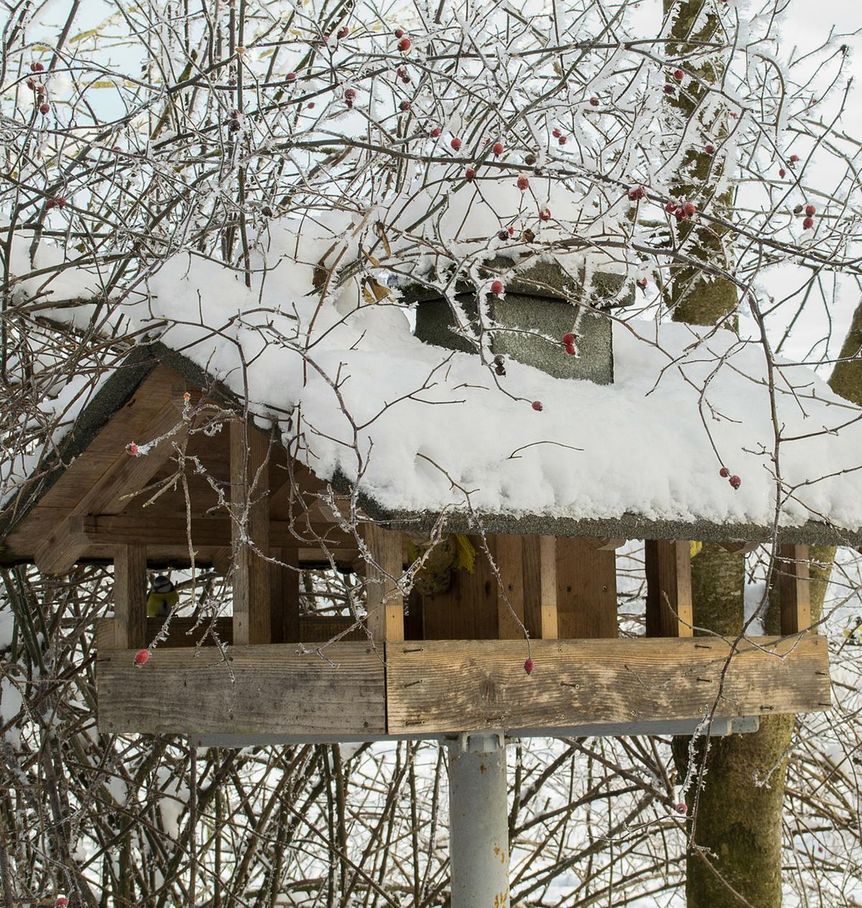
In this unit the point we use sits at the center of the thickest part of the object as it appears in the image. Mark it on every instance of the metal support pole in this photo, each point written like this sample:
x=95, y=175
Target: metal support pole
x=478, y=822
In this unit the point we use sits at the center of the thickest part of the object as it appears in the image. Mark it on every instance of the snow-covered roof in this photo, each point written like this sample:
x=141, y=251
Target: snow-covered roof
x=421, y=430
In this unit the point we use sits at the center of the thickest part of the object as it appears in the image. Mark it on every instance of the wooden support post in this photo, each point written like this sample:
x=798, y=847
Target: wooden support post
x=669, y=611
x=794, y=591
x=510, y=600
x=284, y=596
x=384, y=601
x=249, y=483
x=586, y=588
x=540, y=586
x=130, y=596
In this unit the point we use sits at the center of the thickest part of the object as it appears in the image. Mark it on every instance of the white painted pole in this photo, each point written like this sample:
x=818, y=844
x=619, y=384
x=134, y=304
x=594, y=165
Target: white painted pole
x=478, y=822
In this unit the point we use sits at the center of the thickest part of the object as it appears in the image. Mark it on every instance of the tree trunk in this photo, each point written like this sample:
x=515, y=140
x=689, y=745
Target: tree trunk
x=735, y=804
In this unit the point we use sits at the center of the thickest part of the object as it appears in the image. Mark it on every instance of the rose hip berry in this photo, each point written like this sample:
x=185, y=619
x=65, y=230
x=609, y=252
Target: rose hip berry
x=291, y=77
x=782, y=173
x=44, y=107
x=498, y=148
x=569, y=339
x=594, y=102
x=735, y=481
x=455, y=142
x=404, y=45
x=810, y=210
x=435, y=132
x=523, y=183
x=562, y=140
x=724, y=472
x=36, y=68
x=529, y=665
x=678, y=74
x=142, y=657
x=537, y=406
x=342, y=32
x=793, y=158
x=545, y=214
x=709, y=148
x=642, y=283
x=497, y=287
x=469, y=174
x=399, y=32
x=808, y=223
x=404, y=106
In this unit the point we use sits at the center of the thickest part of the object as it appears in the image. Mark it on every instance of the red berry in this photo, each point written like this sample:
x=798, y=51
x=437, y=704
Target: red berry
x=497, y=287
x=681, y=808
x=529, y=666
x=310, y=105
x=404, y=45
x=782, y=172
x=793, y=158
x=57, y=202
x=679, y=213
x=810, y=210
x=455, y=142
x=537, y=405
x=349, y=96
x=642, y=283
x=399, y=32
x=435, y=132
x=735, y=481
x=523, y=183
x=132, y=449
x=498, y=148
x=670, y=206
x=562, y=140
x=724, y=472
x=555, y=132
x=142, y=657
x=291, y=77
x=469, y=174
x=808, y=223
x=569, y=339
x=44, y=107
x=668, y=89
x=343, y=32
x=709, y=148
x=545, y=214
x=404, y=105
x=689, y=208
x=61, y=902
x=594, y=102
x=510, y=230
x=678, y=75
x=36, y=68
x=636, y=193
x=570, y=349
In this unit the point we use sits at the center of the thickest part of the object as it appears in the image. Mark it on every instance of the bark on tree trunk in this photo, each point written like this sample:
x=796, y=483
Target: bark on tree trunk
x=735, y=812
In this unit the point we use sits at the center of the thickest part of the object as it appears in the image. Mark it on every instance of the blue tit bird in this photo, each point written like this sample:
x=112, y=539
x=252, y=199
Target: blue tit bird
x=162, y=597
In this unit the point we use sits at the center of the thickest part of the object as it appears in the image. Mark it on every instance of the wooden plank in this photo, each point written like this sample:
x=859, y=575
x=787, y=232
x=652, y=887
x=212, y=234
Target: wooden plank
x=284, y=596
x=321, y=628
x=268, y=689
x=510, y=600
x=384, y=600
x=586, y=589
x=249, y=466
x=540, y=587
x=669, y=611
x=794, y=590
x=579, y=682
x=130, y=595
x=111, y=488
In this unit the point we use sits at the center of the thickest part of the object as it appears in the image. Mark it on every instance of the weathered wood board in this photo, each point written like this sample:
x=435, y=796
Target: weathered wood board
x=453, y=686
x=266, y=689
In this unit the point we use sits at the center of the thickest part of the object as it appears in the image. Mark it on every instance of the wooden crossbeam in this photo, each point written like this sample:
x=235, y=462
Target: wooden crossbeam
x=794, y=588
x=540, y=587
x=669, y=610
x=384, y=601
x=580, y=682
x=106, y=529
x=249, y=485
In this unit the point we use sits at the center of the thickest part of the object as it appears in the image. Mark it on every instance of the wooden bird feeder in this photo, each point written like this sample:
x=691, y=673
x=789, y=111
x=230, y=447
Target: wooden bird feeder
x=441, y=662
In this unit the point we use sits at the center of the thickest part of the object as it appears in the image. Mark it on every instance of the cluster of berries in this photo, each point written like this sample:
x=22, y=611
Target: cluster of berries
x=569, y=341
x=681, y=209
x=792, y=161
x=38, y=87
x=560, y=136
x=56, y=201
x=810, y=211
x=636, y=193
x=734, y=480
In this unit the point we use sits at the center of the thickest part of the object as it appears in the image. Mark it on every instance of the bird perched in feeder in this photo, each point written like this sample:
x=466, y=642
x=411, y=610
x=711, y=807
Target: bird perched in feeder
x=162, y=597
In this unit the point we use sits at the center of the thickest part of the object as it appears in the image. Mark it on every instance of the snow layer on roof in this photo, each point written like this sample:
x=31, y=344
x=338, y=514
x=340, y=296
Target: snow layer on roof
x=423, y=429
